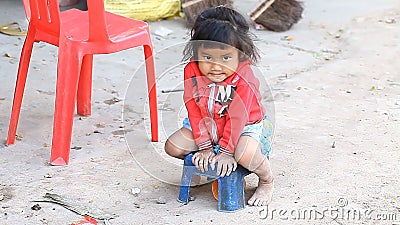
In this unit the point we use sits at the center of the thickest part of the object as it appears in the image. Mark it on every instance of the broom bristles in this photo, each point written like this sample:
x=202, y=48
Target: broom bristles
x=279, y=16
x=192, y=8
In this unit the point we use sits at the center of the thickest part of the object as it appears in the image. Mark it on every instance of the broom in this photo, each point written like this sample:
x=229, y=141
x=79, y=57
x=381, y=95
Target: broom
x=192, y=8
x=277, y=15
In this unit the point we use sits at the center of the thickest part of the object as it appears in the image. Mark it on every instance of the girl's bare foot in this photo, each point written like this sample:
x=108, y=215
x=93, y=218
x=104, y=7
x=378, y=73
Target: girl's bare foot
x=263, y=194
x=248, y=154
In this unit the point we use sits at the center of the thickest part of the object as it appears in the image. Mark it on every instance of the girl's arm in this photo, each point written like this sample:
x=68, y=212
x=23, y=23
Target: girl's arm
x=199, y=130
x=244, y=103
x=237, y=117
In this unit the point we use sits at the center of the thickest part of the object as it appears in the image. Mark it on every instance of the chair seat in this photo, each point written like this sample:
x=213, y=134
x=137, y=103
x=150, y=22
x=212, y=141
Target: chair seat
x=120, y=28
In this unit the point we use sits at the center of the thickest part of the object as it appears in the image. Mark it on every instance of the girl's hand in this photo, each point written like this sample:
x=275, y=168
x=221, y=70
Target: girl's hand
x=226, y=164
x=201, y=159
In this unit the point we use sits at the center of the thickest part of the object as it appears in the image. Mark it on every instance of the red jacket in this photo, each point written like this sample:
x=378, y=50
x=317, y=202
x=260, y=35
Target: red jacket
x=218, y=112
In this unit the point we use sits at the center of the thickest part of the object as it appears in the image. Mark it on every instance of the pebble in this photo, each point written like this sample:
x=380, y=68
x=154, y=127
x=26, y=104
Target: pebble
x=36, y=207
x=135, y=191
x=161, y=200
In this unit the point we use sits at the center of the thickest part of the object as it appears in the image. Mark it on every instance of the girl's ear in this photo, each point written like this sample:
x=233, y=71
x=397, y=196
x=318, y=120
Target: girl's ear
x=243, y=57
x=195, y=56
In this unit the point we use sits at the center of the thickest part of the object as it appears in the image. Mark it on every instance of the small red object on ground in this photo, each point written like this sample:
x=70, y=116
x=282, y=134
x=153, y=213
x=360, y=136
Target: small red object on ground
x=87, y=220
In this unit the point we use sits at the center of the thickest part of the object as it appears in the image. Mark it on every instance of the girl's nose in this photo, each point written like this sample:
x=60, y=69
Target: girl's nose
x=216, y=66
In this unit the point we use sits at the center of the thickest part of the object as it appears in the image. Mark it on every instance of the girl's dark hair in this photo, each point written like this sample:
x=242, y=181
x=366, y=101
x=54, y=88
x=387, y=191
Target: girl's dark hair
x=219, y=27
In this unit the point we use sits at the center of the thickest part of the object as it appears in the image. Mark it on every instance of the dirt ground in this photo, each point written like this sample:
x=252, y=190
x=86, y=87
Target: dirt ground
x=332, y=84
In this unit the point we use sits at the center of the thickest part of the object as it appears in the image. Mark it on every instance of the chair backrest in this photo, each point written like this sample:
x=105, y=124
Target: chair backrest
x=97, y=21
x=27, y=9
x=45, y=14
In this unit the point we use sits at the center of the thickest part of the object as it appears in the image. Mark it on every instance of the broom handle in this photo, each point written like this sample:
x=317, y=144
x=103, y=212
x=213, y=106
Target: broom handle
x=189, y=3
x=261, y=8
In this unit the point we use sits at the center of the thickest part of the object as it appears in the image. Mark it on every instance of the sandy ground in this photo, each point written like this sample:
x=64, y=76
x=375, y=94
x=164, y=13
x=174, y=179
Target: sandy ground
x=334, y=91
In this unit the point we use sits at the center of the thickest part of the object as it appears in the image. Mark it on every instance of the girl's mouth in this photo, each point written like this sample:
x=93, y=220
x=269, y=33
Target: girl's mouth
x=217, y=75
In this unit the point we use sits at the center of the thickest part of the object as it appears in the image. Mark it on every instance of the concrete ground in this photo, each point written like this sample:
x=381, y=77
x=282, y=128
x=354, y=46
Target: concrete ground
x=333, y=89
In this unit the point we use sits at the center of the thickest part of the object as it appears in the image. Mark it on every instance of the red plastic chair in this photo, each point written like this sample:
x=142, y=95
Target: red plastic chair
x=78, y=35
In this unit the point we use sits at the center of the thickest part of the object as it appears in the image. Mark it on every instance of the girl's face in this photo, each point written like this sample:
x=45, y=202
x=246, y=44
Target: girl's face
x=218, y=64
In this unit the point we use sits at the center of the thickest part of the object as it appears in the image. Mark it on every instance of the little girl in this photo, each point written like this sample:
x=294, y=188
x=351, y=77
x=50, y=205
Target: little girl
x=227, y=123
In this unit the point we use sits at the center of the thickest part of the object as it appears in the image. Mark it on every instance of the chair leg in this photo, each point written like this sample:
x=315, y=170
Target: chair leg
x=69, y=63
x=84, y=93
x=186, y=181
x=20, y=84
x=151, y=87
x=231, y=194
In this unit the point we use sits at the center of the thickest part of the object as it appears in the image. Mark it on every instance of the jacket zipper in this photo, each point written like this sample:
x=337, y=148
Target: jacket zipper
x=211, y=111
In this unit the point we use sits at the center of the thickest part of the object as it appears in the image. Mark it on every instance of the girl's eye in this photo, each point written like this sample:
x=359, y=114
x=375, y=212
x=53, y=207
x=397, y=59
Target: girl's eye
x=207, y=58
x=226, y=58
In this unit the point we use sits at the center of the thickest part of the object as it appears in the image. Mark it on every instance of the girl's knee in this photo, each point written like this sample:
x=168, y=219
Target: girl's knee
x=248, y=153
x=177, y=149
x=246, y=149
x=168, y=146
